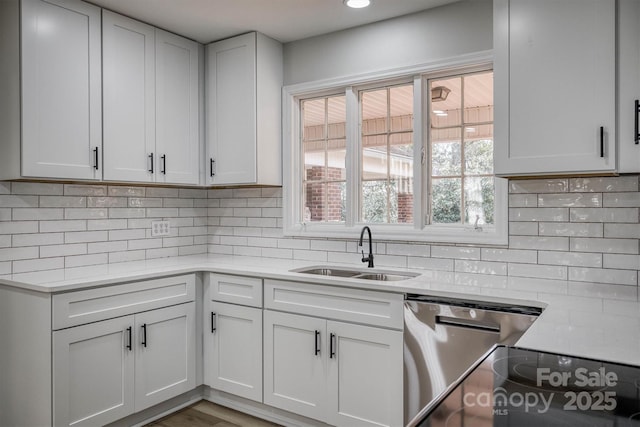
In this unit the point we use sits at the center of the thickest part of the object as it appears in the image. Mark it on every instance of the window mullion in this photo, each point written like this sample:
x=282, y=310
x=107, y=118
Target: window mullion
x=419, y=168
x=352, y=160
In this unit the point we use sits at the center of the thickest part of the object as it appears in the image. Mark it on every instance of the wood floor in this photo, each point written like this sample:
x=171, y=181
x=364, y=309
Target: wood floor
x=206, y=414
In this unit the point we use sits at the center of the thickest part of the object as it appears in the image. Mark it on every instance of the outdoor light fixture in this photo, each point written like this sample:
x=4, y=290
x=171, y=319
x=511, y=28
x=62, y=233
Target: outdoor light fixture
x=439, y=93
x=357, y=4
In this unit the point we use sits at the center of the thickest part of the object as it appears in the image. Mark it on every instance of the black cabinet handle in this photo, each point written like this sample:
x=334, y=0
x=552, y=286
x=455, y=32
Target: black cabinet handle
x=151, y=158
x=317, y=343
x=601, y=141
x=129, y=332
x=211, y=162
x=636, y=112
x=144, y=335
x=164, y=164
x=214, y=324
x=95, y=158
x=332, y=346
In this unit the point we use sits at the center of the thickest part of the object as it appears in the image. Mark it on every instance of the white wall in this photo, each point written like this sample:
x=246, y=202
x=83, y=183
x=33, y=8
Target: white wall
x=455, y=29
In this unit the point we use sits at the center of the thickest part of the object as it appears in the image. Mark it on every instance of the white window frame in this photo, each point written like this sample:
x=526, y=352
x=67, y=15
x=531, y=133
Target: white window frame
x=420, y=230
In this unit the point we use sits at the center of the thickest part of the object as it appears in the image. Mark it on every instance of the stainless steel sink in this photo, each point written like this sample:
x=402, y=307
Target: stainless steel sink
x=383, y=276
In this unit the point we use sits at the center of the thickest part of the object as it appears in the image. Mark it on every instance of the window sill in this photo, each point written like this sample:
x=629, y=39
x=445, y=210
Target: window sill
x=431, y=234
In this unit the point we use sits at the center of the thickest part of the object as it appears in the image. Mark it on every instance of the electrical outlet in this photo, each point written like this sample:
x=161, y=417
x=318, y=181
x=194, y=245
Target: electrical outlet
x=160, y=228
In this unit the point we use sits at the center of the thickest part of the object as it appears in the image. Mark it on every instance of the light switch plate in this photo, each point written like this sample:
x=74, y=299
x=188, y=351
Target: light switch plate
x=160, y=228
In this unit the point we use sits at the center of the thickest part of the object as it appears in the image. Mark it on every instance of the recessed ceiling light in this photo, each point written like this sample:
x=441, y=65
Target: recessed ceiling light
x=357, y=4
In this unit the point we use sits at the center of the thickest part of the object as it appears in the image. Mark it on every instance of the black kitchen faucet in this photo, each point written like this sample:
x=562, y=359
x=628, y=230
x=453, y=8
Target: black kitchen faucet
x=368, y=259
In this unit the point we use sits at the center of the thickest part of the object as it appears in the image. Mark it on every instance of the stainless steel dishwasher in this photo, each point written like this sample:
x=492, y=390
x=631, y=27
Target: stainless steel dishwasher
x=445, y=337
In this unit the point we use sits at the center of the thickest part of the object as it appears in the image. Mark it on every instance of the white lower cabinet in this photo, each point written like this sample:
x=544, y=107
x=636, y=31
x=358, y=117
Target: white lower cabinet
x=340, y=373
x=106, y=370
x=234, y=344
x=93, y=373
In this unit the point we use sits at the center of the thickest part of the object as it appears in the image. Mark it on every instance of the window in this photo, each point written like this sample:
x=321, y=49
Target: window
x=411, y=155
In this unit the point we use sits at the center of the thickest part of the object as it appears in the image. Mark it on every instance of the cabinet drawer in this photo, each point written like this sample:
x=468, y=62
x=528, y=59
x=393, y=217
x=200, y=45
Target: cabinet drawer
x=352, y=305
x=91, y=305
x=236, y=289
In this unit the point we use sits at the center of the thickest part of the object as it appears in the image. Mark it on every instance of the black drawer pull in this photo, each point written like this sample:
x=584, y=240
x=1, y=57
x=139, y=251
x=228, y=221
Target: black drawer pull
x=144, y=335
x=214, y=324
x=151, y=157
x=95, y=158
x=211, y=162
x=164, y=164
x=317, y=343
x=129, y=332
x=636, y=113
x=332, y=346
x=601, y=141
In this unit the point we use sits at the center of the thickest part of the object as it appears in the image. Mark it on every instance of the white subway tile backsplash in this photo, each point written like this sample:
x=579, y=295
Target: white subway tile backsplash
x=127, y=212
x=83, y=260
x=580, y=228
x=127, y=256
x=100, y=247
x=440, y=264
x=481, y=267
x=36, y=214
x=618, y=261
x=523, y=201
x=85, y=236
x=538, y=214
x=85, y=190
x=621, y=200
x=509, y=255
x=620, y=277
x=106, y=224
x=539, y=186
x=126, y=191
x=86, y=213
x=11, y=254
x=606, y=184
x=604, y=215
x=540, y=271
x=570, y=229
x=26, y=266
x=570, y=200
x=18, y=227
x=63, y=250
x=106, y=202
x=455, y=252
x=54, y=226
x=616, y=246
x=38, y=188
x=539, y=242
x=38, y=239
x=577, y=259
x=13, y=201
x=63, y=202
x=629, y=231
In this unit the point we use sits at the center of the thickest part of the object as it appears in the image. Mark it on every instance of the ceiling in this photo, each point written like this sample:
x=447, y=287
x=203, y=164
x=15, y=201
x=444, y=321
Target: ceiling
x=284, y=20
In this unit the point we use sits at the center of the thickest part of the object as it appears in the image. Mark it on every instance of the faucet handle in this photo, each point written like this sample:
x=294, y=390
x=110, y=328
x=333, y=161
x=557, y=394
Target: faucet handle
x=364, y=259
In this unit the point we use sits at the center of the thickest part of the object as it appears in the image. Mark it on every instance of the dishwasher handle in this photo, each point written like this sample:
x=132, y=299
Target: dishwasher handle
x=469, y=324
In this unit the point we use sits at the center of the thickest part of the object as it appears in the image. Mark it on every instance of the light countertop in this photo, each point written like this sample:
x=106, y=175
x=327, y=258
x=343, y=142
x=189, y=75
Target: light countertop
x=599, y=321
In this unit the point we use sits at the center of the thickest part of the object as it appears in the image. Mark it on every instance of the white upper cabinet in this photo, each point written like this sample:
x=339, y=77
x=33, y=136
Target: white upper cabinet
x=54, y=129
x=151, y=104
x=177, y=109
x=243, y=102
x=129, y=98
x=555, y=86
x=628, y=85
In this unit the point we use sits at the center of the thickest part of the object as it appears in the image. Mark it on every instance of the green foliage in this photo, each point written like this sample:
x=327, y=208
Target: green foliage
x=446, y=196
x=374, y=202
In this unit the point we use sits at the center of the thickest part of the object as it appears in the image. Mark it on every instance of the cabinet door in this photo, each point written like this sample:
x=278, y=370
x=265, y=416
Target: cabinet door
x=364, y=375
x=129, y=99
x=295, y=364
x=93, y=373
x=628, y=84
x=61, y=89
x=177, y=109
x=165, y=354
x=231, y=110
x=555, y=87
x=234, y=360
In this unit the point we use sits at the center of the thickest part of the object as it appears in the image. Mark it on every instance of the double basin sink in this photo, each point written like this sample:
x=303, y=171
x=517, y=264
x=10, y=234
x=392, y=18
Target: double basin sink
x=343, y=272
